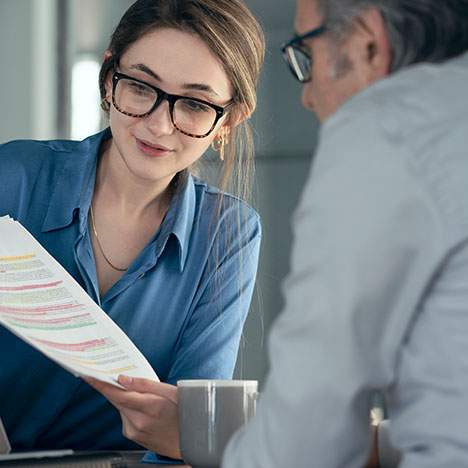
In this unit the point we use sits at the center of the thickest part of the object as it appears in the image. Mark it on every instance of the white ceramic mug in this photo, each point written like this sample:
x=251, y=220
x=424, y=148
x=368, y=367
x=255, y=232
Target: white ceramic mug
x=210, y=411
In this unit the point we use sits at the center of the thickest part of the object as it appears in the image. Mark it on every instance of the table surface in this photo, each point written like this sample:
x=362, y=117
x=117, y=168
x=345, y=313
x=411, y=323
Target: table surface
x=128, y=459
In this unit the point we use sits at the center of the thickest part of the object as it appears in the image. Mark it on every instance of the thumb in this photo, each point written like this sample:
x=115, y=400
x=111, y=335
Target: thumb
x=140, y=385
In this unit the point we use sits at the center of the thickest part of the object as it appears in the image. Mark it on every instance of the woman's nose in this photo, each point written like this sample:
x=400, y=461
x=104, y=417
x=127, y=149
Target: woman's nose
x=159, y=121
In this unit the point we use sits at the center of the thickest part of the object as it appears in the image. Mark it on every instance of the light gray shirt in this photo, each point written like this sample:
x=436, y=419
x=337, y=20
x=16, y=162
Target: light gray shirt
x=378, y=293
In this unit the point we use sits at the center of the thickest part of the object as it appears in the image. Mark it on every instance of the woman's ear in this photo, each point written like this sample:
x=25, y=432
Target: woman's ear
x=108, y=78
x=237, y=116
x=223, y=133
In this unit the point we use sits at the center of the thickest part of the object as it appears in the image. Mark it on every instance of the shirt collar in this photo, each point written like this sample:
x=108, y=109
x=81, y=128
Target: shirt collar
x=180, y=218
x=74, y=183
x=73, y=189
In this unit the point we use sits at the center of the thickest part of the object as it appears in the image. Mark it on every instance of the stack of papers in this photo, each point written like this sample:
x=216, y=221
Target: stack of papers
x=42, y=304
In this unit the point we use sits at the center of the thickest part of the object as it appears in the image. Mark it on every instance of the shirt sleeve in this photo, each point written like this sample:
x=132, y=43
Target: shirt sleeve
x=368, y=242
x=210, y=341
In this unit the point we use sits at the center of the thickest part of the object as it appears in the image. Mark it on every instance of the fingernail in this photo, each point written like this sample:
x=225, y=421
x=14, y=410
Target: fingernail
x=125, y=380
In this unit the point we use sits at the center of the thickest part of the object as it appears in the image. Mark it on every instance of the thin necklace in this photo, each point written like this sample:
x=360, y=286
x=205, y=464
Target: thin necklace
x=99, y=243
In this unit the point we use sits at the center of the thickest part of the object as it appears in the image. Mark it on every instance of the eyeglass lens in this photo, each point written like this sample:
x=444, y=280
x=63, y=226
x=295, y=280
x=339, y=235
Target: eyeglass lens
x=188, y=115
x=299, y=63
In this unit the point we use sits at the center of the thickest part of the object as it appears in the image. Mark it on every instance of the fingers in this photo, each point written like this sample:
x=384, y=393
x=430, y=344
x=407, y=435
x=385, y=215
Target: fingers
x=149, y=386
x=109, y=391
x=126, y=398
x=129, y=429
x=132, y=400
x=160, y=433
x=136, y=427
x=148, y=411
x=141, y=401
x=136, y=385
x=103, y=387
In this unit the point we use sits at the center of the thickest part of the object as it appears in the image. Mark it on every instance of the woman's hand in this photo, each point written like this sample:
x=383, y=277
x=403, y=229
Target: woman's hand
x=148, y=410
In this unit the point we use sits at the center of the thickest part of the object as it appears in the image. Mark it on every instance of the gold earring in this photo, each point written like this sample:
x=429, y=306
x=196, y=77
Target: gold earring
x=105, y=105
x=218, y=145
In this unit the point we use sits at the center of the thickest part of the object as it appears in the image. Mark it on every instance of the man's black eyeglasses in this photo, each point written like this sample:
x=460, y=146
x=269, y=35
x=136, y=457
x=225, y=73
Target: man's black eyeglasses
x=191, y=116
x=296, y=55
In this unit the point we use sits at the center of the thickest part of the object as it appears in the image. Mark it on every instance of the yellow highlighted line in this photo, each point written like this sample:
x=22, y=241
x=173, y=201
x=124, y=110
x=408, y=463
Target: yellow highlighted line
x=91, y=365
x=17, y=257
x=118, y=370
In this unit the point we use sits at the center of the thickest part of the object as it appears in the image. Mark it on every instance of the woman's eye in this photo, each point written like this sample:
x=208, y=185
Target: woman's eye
x=195, y=106
x=140, y=89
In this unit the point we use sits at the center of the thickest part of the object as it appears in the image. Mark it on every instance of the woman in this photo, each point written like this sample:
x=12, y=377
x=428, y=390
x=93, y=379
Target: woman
x=169, y=258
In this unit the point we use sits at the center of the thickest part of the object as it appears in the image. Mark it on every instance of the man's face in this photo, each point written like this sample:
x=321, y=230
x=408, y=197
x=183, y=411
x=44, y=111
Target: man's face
x=335, y=75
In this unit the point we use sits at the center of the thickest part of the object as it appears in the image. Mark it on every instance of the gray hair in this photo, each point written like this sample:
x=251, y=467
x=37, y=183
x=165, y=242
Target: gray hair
x=419, y=30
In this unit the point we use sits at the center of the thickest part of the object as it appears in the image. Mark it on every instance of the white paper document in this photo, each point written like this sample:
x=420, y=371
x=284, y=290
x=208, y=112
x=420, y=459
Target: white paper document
x=41, y=303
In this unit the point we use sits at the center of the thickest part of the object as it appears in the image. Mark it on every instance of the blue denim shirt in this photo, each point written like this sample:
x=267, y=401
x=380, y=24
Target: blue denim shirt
x=183, y=301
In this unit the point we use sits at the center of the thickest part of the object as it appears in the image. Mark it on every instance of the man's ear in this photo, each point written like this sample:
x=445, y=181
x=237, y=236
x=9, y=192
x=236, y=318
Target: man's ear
x=370, y=47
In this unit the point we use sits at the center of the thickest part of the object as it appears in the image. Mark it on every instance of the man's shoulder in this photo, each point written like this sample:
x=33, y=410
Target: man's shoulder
x=412, y=100
x=409, y=128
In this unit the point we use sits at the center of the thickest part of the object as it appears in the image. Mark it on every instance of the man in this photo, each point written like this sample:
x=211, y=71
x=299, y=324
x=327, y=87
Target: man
x=378, y=293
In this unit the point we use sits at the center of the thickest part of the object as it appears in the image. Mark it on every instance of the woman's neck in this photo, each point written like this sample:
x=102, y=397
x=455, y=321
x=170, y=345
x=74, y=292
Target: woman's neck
x=133, y=197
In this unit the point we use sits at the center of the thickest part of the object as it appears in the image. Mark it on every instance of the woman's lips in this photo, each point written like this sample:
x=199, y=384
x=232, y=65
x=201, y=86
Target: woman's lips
x=150, y=149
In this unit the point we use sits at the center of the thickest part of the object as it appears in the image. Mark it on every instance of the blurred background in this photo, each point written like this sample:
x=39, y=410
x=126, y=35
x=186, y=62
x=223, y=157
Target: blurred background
x=50, y=55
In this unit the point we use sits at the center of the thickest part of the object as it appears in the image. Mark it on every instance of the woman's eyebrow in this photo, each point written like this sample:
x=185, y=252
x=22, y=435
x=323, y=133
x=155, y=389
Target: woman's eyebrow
x=145, y=69
x=200, y=87
x=189, y=86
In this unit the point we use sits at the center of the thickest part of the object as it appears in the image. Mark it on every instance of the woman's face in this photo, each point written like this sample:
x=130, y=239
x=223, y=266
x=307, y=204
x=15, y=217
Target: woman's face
x=150, y=148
